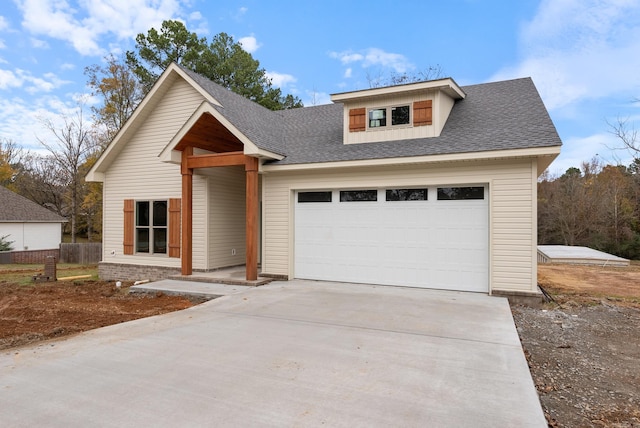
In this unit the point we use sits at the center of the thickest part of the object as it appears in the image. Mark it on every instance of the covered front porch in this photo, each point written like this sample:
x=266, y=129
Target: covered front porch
x=204, y=143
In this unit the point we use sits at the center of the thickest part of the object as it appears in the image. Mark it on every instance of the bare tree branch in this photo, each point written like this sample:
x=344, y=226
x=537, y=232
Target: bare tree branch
x=70, y=148
x=627, y=134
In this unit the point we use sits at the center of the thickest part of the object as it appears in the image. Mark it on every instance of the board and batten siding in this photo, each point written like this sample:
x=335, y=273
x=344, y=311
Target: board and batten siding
x=138, y=174
x=512, y=214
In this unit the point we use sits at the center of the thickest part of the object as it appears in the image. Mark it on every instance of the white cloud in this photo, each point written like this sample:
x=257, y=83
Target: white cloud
x=47, y=83
x=346, y=57
x=39, y=44
x=249, y=44
x=4, y=24
x=580, y=49
x=2, y=45
x=22, y=120
x=348, y=72
x=32, y=84
x=8, y=79
x=84, y=24
x=374, y=57
x=279, y=79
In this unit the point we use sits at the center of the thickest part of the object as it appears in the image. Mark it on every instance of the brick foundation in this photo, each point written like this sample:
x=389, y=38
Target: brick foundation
x=126, y=272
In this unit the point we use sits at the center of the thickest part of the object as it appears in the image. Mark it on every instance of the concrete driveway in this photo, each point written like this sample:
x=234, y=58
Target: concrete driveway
x=289, y=354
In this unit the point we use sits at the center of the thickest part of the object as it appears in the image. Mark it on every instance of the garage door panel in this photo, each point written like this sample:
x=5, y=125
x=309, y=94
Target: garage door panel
x=433, y=244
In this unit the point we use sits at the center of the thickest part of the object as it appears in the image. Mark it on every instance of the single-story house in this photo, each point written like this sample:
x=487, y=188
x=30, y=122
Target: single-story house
x=28, y=225
x=427, y=184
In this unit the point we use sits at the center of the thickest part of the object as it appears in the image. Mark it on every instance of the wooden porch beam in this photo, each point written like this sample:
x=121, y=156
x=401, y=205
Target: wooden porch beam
x=187, y=213
x=252, y=207
x=215, y=159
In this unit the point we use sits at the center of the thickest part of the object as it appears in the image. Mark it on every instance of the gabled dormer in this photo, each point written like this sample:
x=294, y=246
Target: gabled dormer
x=415, y=110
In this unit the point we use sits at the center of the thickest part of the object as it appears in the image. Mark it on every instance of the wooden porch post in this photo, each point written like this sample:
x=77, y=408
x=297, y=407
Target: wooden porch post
x=187, y=213
x=251, y=168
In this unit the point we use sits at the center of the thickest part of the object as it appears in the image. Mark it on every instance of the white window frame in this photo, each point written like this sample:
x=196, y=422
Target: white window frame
x=151, y=227
x=389, y=117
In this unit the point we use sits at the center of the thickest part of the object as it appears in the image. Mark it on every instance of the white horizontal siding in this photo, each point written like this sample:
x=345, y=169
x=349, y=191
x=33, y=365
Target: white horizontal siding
x=227, y=223
x=200, y=248
x=514, y=231
x=138, y=174
x=511, y=195
x=32, y=236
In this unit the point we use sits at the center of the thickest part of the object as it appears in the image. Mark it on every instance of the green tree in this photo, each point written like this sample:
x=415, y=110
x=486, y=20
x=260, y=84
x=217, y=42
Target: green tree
x=5, y=244
x=158, y=49
x=224, y=61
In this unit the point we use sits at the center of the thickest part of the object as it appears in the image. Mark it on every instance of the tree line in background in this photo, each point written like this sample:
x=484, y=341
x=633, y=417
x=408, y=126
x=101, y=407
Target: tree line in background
x=594, y=206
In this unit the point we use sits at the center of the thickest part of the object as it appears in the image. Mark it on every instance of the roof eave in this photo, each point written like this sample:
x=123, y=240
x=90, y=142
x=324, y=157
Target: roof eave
x=545, y=156
x=446, y=85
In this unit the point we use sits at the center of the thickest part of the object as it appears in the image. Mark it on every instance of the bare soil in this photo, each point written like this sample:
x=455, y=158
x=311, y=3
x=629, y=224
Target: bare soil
x=584, y=349
x=48, y=310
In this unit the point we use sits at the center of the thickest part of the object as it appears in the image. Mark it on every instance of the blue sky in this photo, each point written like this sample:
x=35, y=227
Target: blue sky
x=583, y=55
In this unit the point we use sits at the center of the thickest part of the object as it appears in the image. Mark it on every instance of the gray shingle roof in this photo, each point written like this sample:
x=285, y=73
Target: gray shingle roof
x=18, y=209
x=494, y=116
x=261, y=125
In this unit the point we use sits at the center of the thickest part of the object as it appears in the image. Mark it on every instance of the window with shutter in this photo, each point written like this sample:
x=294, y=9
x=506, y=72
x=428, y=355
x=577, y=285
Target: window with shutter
x=152, y=227
x=422, y=113
x=357, y=119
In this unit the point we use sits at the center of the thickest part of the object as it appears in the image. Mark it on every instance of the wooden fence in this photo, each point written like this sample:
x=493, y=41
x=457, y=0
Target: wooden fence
x=84, y=253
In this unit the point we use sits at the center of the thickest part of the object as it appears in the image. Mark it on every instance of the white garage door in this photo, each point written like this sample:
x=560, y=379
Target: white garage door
x=431, y=237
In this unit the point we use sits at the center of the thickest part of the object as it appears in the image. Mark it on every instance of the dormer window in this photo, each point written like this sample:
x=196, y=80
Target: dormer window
x=399, y=116
x=398, y=113
x=377, y=118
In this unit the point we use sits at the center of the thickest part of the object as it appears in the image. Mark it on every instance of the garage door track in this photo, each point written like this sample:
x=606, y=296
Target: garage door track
x=297, y=353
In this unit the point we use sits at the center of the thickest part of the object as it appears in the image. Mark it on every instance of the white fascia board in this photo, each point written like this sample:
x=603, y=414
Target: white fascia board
x=447, y=85
x=552, y=152
x=96, y=173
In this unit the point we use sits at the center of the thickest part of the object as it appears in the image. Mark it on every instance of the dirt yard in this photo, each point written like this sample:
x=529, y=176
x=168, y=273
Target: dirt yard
x=33, y=312
x=584, y=350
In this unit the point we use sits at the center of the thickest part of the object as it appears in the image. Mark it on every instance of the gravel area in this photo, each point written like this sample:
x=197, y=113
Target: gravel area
x=585, y=362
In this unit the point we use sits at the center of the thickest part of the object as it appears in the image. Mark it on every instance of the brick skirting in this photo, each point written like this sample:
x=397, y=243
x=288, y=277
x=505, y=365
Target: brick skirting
x=125, y=272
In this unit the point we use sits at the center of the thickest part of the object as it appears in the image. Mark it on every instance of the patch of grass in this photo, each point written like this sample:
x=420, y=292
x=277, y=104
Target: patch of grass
x=23, y=273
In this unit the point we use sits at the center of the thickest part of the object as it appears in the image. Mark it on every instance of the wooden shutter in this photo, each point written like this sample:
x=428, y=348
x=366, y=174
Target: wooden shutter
x=128, y=226
x=174, y=227
x=422, y=113
x=357, y=119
